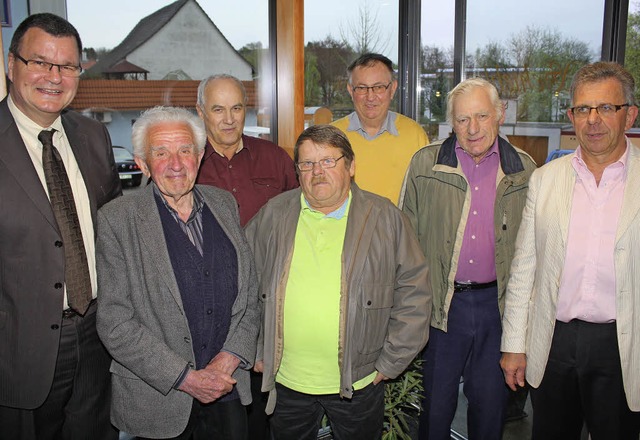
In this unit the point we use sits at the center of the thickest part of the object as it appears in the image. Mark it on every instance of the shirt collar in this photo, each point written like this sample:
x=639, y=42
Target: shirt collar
x=26, y=123
x=240, y=147
x=198, y=203
x=389, y=124
x=578, y=161
x=338, y=214
x=492, y=150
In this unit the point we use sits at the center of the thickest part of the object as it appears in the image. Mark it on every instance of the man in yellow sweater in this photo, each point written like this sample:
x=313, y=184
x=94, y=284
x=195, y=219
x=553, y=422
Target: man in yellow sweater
x=383, y=141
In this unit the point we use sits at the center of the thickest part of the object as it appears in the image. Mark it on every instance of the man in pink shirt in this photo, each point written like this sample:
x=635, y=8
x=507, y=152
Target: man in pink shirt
x=464, y=197
x=573, y=300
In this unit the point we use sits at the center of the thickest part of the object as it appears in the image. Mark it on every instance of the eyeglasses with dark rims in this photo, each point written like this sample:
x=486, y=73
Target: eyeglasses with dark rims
x=377, y=89
x=39, y=66
x=604, y=110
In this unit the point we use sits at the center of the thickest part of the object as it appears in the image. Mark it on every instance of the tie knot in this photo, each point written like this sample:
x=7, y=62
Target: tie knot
x=46, y=137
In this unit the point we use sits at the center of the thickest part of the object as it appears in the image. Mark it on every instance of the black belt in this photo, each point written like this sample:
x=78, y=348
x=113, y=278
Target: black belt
x=70, y=313
x=465, y=287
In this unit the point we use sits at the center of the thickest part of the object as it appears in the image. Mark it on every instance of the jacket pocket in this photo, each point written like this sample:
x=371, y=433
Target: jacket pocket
x=374, y=311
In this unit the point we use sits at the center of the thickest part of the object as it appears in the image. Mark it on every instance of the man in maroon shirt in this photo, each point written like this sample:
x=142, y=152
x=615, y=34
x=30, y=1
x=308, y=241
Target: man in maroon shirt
x=253, y=170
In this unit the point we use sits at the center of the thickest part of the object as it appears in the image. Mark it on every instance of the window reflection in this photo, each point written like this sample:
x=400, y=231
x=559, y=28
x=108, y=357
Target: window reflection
x=336, y=33
x=529, y=51
x=157, y=55
x=436, y=74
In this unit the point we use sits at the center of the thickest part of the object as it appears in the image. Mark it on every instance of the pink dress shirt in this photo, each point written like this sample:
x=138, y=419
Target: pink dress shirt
x=588, y=285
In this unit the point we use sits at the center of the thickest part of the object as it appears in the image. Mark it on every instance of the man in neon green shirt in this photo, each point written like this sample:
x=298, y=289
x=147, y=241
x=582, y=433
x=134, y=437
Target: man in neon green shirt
x=384, y=141
x=343, y=285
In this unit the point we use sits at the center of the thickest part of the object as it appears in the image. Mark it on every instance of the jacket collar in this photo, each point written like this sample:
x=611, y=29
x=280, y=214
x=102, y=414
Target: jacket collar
x=510, y=161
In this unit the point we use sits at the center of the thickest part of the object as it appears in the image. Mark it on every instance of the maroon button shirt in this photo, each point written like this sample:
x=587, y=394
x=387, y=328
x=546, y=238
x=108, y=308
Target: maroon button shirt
x=255, y=174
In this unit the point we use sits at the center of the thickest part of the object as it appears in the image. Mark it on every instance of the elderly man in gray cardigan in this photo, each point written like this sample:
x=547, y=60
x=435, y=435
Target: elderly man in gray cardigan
x=178, y=295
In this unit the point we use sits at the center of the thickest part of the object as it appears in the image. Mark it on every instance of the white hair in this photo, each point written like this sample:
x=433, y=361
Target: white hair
x=157, y=115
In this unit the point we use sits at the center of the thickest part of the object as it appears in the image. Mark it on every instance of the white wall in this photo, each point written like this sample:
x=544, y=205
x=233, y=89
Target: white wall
x=190, y=43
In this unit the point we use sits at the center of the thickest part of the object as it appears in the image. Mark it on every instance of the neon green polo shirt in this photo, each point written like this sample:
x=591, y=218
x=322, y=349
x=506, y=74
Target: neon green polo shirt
x=312, y=304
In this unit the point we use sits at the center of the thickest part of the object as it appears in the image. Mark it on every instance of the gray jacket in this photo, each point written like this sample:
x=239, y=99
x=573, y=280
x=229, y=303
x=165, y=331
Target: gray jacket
x=385, y=301
x=437, y=200
x=141, y=318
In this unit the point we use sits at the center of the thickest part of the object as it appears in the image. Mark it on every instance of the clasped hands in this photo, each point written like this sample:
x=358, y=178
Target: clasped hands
x=213, y=381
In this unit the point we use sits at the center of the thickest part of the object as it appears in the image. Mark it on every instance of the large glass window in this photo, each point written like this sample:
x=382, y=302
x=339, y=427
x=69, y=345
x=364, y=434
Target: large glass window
x=632, y=54
x=436, y=64
x=529, y=51
x=337, y=32
x=142, y=53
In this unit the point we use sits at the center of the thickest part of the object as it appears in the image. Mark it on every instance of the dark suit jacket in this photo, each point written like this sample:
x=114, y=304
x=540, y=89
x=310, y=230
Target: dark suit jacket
x=141, y=317
x=31, y=265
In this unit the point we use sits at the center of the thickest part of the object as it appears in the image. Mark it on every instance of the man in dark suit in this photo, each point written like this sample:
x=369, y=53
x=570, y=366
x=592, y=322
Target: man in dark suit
x=178, y=293
x=54, y=378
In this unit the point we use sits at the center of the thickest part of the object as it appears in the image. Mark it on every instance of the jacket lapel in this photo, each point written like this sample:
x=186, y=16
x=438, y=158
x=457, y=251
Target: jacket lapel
x=17, y=162
x=631, y=201
x=358, y=234
x=82, y=152
x=154, y=243
x=566, y=181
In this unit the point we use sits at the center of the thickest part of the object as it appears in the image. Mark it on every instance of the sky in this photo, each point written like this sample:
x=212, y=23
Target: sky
x=245, y=21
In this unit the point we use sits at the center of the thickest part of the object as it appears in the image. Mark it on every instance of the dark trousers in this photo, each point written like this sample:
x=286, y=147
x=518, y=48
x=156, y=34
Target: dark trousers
x=258, y=419
x=77, y=406
x=298, y=416
x=215, y=421
x=582, y=382
x=469, y=349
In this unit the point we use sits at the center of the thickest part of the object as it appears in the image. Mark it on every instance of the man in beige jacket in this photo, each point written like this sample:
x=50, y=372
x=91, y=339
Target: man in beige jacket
x=573, y=301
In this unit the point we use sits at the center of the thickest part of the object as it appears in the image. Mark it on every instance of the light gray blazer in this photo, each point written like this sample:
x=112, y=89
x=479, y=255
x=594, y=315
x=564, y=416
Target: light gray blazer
x=532, y=293
x=141, y=318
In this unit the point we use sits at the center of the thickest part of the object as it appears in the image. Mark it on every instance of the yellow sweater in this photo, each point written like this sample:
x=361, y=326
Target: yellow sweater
x=382, y=162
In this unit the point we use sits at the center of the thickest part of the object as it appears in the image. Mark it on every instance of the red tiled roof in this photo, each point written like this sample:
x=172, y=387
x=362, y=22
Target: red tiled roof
x=123, y=95
x=87, y=64
x=124, y=66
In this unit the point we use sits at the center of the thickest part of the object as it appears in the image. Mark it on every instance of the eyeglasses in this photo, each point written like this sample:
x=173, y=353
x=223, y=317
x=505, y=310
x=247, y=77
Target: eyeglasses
x=364, y=90
x=326, y=163
x=604, y=110
x=38, y=66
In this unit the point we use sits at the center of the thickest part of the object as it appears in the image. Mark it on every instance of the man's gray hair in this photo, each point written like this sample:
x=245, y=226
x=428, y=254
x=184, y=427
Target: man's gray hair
x=602, y=71
x=159, y=115
x=203, y=86
x=468, y=85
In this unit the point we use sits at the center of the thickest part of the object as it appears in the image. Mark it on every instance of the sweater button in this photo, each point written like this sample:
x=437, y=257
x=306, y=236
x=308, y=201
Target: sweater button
x=58, y=243
x=55, y=327
x=58, y=285
x=209, y=311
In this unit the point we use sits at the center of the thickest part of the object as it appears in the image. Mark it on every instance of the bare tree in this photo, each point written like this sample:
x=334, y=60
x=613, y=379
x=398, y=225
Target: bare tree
x=364, y=34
